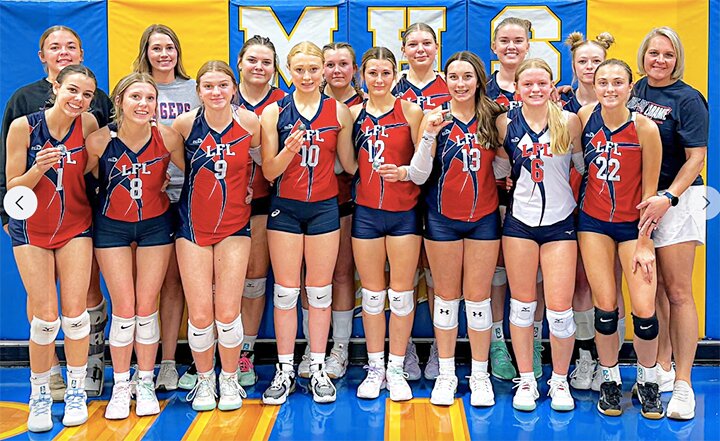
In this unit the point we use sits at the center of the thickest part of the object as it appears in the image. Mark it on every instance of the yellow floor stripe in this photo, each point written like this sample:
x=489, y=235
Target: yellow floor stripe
x=417, y=419
x=13, y=419
x=100, y=429
x=255, y=419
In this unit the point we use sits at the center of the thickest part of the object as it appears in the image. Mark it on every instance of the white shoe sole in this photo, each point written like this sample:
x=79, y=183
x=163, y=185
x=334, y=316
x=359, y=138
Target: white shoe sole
x=524, y=407
x=371, y=397
x=229, y=406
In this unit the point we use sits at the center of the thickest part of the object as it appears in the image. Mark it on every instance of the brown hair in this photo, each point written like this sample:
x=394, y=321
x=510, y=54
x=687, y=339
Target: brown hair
x=259, y=41
x=525, y=24
x=53, y=29
x=215, y=66
x=615, y=62
x=355, y=81
x=122, y=86
x=142, y=63
x=486, y=110
x=557, y=124
x=70, y=70
x=419, y=26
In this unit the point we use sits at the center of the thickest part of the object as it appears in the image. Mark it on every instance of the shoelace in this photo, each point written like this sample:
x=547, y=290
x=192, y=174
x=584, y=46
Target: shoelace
x=245, y=364
x=411, y=354
x=394, y=374
x=611, y=393
x=522, y=383
x=279, y=380
x=558, y=386
x=233, y=385
x=203, y=387
x=373, y=372
x=145, y=390
x=41, y=404
x=683, y=394
x=650, y=393
x=501, y=353
x=75, y=399
x=445, y=381
x=478, y=379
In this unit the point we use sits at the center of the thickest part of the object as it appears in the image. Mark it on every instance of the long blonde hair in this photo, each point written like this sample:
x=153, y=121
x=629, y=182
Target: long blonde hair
x=557, y=123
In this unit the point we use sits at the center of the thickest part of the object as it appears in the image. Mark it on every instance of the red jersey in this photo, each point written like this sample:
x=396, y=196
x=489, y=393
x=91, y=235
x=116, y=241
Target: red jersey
x=433, y=95
x=378, y=140
x=310, y=176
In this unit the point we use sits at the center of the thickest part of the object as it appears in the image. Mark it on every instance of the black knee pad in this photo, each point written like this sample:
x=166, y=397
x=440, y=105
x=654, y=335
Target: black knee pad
x=606, y=322
x=645, y=328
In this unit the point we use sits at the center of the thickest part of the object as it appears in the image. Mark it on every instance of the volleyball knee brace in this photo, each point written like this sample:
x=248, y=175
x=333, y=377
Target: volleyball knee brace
x=500, y=276
x=445, y=313
x=254, y=288
x=522, y=314
x=122, y=331
x=373, y=302
x=402, y=303
x=76, y=328
x=200, y=340
x=479, y=315
x=230, y=335
x=561, y=323
x=43, y=332
x=319, y=296
x=147, y=329
x=606, y=322
x=428, y=278
x=285, y=298
x=645, y=328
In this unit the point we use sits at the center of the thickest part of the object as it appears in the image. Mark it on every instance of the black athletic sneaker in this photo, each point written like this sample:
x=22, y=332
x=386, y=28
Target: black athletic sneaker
x=649, y=396
x=282, y=385
x=610, y=396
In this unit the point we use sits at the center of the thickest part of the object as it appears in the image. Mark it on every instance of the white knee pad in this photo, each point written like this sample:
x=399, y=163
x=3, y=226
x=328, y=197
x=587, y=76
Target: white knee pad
x=42, y=332
x=200, y=340
x=539, y=275
x=147, y=329
x=285, y=298
x=373, y=302
x=428, y=278
x=479, y=315
x=319, y=296
x=122, y=331
x=76, y=328
x=445, y=313
x=402, y=303
x=561, y=323
x=230, y=335
x=500, y=276
x=254, y=288
x=585, y=322
x=522, y=314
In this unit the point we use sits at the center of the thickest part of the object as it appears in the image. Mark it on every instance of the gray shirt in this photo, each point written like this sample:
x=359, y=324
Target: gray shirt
x=176, y=98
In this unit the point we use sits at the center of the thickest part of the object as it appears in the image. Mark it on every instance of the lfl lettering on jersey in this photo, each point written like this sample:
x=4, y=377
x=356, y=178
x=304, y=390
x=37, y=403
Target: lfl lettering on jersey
x=312, y=134
x=219, y=150
x=609, y=147
x=376, y=131
x=534, y=150
x=135, y=169
x=468, y=139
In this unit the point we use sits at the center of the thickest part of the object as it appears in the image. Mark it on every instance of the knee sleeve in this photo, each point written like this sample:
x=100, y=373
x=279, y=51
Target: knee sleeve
x=200, y=340
x=585, y=322
x=428, y=278
x=122, y=331
x=285, y=298
x=645, y=328
x=230, y=335
x=42, y=332
x=147, y=329
x=561, y=323
x=445, y=313
x=402, y=303
x=479, y=315
x=539, y=275
x=254, y=288
x=522, y=314
x=500, y=276
x=373, y=302
x=76, y=328
x=319, y=296
x=606, y=322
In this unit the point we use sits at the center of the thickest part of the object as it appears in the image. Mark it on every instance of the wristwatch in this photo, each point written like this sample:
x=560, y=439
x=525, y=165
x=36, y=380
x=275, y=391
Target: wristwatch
x=672, y=197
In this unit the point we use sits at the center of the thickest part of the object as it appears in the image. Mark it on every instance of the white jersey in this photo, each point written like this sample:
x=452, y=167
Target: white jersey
x=541, y=193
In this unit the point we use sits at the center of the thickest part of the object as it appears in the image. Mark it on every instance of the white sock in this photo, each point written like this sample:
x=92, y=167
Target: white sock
x=341, y=328
x=248, y=343
x=497, y=333
x=646, y=374
x=446, y=366
x=146, y=376
x=317, y=361
x=119, y=377
x=227, y=375
x=76, y=376
x=377, y=359
x=396, y=361
x=611, y=373
x=286, y=361
x=479, y=367
x=558, y=377
x=37, y=381
x=528, y=376
x=537, y=330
